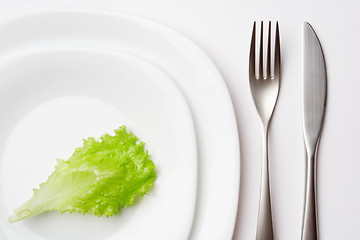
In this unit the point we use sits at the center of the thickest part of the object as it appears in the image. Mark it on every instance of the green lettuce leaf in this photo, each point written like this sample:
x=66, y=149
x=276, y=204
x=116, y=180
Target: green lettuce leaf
x=100, y=178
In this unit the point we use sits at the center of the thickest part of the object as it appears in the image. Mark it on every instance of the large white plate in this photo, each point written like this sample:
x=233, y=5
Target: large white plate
x=185, y=63
x=53, y=99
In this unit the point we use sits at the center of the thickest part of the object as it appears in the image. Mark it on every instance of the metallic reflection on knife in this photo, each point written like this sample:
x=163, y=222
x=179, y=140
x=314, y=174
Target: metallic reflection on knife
x=314, y=102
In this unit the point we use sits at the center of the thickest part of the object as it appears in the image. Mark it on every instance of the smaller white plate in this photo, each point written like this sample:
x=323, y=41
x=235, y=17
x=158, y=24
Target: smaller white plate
x=52, y=99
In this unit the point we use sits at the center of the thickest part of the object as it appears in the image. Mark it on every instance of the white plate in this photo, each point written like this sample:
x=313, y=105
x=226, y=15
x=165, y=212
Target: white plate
x=53, y=99
x=184, y=62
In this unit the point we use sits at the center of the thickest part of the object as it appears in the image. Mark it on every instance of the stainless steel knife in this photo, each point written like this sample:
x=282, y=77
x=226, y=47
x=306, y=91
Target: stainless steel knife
x=314, y=104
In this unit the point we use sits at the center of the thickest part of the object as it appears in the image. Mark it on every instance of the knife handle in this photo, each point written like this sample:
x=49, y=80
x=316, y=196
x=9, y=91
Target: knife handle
x=309, y=227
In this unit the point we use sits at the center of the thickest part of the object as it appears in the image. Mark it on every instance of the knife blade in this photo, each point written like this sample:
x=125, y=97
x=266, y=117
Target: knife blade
x=314, y=105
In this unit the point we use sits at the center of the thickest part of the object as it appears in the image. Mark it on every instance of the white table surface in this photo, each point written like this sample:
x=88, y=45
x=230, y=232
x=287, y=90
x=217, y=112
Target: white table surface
x=223, y=28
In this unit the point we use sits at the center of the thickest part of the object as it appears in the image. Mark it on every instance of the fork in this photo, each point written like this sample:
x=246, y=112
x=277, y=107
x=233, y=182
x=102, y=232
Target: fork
x=265, y=90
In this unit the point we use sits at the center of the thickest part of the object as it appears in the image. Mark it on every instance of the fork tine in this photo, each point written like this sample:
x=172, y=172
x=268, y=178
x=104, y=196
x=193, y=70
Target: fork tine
x=252, y=53
x=268, y=62
x=277, y=53
x=261, y=54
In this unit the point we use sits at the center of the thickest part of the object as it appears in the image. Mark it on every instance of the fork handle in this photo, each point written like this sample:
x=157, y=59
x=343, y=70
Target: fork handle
x=264, y=229
x=309, y=227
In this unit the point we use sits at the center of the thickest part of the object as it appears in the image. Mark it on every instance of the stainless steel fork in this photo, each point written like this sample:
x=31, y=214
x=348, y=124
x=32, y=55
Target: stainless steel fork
x=265, y=90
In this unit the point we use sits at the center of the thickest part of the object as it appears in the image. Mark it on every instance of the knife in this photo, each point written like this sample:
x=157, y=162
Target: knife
x=314, y=104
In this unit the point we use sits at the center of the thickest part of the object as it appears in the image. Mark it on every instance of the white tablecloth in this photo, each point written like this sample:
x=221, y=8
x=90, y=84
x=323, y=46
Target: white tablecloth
x=223, y=28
